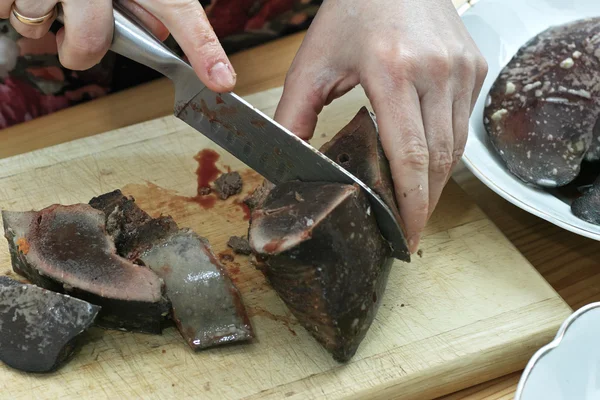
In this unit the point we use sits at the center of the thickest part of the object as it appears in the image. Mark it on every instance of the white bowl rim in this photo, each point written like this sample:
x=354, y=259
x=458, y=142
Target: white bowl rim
x=562, y=331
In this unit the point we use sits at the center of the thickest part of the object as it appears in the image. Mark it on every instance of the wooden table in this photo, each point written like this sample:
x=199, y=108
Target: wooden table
x=567, y=261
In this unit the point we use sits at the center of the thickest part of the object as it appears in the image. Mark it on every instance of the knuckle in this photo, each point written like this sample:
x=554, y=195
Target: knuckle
x=439, y=63
x=465, y=63
x=81, y=54
x=415, y=155
x=481, y=68
x=441, y=160
x=398, y=63
x=307, y=83
x=206, y=44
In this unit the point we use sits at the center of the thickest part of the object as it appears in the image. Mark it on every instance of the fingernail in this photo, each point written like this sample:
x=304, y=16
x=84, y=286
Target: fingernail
x=413, y=243
x=222, y=75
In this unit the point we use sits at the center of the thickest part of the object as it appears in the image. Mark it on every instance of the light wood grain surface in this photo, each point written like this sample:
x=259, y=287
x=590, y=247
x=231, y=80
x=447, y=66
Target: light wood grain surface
x=471, y=308
x=567, y=261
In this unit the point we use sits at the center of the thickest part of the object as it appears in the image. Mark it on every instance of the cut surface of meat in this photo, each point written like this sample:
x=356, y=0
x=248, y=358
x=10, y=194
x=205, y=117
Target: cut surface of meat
x=67, y=249
x=207, y=307
x=326, y=259
x=39, y=328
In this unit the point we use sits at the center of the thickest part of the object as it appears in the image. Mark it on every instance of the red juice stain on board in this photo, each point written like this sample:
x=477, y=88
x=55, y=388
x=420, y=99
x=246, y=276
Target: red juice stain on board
x=206, y=202
x=287, y=321
x=207, y=170
x=244, y=208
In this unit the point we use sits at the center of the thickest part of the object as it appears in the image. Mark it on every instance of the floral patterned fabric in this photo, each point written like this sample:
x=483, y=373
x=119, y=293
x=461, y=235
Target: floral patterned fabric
x=33, y=83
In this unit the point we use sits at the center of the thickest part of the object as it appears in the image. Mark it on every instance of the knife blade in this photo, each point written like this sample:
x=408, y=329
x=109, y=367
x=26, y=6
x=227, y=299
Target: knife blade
x=241, y=129
x=275, y=152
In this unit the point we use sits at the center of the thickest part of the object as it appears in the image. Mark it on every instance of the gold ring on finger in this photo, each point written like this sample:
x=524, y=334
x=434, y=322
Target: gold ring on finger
x=34, y=21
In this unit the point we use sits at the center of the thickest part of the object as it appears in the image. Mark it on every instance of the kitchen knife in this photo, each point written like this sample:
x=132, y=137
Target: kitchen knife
x=245, y=132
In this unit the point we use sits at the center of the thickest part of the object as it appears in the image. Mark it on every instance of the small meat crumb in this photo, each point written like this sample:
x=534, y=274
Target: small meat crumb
x=298, y=197
x=228, y=184
x=239, y=245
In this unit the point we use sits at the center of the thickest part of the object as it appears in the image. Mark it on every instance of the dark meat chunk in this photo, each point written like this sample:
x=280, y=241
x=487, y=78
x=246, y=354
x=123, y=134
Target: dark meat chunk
x=325, y=257
x=207, y=307
x=39, y=327
x=541, y=110
x=228, y=185
x=131, y=227
x=587, y=207
x=239, y=245
x=357, y=148
x=259, y=195
x=67, y=249
x=319, y=244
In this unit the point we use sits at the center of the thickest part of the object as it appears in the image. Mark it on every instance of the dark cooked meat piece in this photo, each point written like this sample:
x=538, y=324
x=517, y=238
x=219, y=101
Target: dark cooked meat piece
x=207, y=307
x=67, y=249
x=587, y=207
x=131, y=227
x=357, y=148
x=39, y=328
x=319, y=243
x=259, y=195
x=239, y=245
x=541, y=111
x=325, y=257
x=228, y=184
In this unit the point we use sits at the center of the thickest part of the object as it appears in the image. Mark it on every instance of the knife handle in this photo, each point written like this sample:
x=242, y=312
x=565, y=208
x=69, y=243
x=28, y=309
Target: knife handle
x=132, y=40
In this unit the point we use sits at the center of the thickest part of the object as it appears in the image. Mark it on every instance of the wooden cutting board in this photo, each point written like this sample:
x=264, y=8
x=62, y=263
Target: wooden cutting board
x=470, y=309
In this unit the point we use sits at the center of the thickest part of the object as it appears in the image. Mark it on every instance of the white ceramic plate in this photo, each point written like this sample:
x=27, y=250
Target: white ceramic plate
x=569, y=367
x=500, y=28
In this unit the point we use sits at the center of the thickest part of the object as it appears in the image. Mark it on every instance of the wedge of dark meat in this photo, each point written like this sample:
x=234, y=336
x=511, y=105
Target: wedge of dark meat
x=319, y=244
x=39, y=328
x=325, y=257
x=357, y=148
x=67, y=249
x=207, y=307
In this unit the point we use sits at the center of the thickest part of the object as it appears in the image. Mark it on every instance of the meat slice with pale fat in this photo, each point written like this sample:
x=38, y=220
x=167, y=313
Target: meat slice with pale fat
x=67, y=249
x=207, y=307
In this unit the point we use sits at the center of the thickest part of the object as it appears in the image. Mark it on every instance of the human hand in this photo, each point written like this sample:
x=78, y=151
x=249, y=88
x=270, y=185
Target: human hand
x=422, y=73
x=88, y=29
